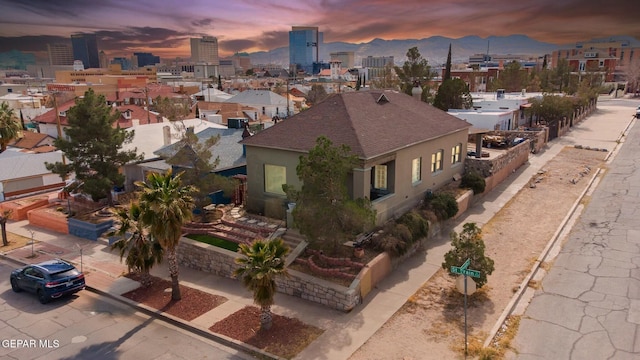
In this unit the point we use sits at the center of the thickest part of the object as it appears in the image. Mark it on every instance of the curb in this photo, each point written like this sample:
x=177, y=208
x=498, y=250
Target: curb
x=172, y=320
x=525, y=283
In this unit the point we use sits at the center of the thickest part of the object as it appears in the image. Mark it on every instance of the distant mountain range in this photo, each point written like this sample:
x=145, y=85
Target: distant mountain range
x=434, y=49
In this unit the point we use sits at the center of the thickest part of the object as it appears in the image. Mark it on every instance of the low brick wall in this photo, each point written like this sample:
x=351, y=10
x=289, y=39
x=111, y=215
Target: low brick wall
x=212, y=259
x=20, y=208
x=496, y=170
x=49, y=218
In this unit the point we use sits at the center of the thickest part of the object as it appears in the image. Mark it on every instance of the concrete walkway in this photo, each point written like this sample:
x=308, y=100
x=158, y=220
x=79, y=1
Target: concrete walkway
x=344, y=332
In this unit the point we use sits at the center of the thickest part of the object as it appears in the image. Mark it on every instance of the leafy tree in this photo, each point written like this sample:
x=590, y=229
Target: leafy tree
x=416, y=70
x=9, y=126
x=316, y=94
x=174, y=109
x=512, y=78
x=453, y=94
x=94, y=147
x=632, y=75
x=4, y=216
x=388, y=80
x=561, y=76
x=261, y=263
x=544, y=62
x=474, y=181
x=551, y=107
x=250, y=72
x=140, y=251
x=447, y=69
x=195, y=160
x=324, y=211
x=358, y=83
x=166, y=205
x=469, y=245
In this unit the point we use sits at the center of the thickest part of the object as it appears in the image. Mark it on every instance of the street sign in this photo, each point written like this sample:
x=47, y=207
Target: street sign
x=466, y=264
x=461, y=271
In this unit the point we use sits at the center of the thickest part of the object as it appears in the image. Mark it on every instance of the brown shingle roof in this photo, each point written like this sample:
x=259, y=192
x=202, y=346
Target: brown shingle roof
x=369, y=125
x=30, y=140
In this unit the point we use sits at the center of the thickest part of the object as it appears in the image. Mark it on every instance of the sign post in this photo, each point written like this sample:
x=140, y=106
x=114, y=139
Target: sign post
x=462, y=270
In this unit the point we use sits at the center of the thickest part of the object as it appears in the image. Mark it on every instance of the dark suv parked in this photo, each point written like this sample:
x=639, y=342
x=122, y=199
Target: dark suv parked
x=49, y=280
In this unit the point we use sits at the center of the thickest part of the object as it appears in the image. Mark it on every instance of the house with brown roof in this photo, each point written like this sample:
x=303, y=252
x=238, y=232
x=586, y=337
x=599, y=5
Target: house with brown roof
x=33, y=141
x=405, y=148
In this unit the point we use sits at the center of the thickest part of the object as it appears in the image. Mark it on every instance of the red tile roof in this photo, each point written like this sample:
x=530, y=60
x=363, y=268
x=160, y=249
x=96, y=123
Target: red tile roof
x=371, y=123
x=50, y=116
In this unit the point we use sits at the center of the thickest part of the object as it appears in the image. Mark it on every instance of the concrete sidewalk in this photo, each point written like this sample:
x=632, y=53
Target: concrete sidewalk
x=344, y=332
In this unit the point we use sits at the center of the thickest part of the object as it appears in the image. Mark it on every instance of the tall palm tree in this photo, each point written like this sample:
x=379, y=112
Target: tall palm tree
x=139, y=249
x=9, y=126
x=262, y=262
x=166, y=206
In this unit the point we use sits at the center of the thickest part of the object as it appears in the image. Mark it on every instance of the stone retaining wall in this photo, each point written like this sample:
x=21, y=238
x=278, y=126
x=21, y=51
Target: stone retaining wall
x=499, y=167
x=212, y=259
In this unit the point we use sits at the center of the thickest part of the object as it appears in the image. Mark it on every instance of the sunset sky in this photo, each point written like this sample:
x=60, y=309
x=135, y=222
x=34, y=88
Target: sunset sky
x=164, y=27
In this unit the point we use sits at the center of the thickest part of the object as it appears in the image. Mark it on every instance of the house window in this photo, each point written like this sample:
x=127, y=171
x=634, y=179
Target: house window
x=274, y=177
x=455, y=154
x=416, y=170
x=436, y=161
x=380, y=177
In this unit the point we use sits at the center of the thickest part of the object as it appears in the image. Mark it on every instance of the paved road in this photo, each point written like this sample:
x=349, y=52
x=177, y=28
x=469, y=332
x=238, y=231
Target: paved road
x=87, y=326
x=588, y=306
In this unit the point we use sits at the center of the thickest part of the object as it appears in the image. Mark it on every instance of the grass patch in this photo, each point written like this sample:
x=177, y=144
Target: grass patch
x=212, y=240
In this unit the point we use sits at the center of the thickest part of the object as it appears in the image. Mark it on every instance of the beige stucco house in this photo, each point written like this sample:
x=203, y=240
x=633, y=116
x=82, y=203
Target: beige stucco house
x=406, y=147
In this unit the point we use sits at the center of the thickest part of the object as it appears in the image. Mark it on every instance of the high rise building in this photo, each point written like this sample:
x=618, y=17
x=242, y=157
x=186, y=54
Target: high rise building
x=60, y=54
x=304, y=47
x=375, y=65
x=85, y=49
x=345, y=57
x=205, y=50
x=145, y=58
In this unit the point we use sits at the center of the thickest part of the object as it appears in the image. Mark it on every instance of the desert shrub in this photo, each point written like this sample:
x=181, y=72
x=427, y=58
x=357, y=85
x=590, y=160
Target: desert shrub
x=402, y=232
x=391, y=244
x=474, y=181
x=444, y=205
x=416, y=223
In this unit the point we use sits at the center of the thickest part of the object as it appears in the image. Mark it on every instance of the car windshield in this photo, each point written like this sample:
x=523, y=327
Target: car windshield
x=65, y=274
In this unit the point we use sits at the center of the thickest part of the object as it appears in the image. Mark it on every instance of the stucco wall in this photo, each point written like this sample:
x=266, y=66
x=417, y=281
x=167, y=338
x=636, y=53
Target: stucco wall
x=48, y=218
x=20, y=208
x=496, y=170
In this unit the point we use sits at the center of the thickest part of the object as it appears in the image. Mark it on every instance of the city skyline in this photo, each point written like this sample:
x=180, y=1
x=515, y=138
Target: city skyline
x=165, y=27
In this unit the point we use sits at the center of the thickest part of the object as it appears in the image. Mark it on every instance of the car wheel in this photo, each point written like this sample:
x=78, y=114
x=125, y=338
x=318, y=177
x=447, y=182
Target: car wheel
x=14, y=286
x=42, y=297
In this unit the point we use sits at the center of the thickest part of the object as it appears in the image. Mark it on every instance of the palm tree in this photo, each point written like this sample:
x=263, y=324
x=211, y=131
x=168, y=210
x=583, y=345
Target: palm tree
x=166, y=206
x=9, y=126
x=140, y=251
x=262, y=262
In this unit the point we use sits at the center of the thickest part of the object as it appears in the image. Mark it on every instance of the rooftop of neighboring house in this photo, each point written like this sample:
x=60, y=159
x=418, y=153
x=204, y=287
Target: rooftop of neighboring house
x=226, y=109
x=259, y=97
x=371, y=123
x=16, y=164
x=31, y=140
x=228, y=149
x=150, y=137
x=212, y=95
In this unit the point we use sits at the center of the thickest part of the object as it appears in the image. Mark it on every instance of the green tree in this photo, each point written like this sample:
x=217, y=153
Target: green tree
x=324, y=211
x=358, y=83
x=561, y=76
x=512, y=78
x=469, y=245
x=166, y=205
x=196, y=161
x=453, y=94
x=9, y=126
x=94, y=147
x=447, y=68
x=551, y=107
x=388, y=80
x=261, y=263
x=316, y=94
x=140, y=250
x=415, y=71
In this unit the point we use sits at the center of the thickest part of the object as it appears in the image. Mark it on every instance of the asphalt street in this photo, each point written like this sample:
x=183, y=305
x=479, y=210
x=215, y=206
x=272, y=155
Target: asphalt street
x=89, y=326
x=588, y=306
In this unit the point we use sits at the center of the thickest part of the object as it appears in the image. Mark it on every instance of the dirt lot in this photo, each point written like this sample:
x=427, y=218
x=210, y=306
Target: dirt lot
x=431, y=324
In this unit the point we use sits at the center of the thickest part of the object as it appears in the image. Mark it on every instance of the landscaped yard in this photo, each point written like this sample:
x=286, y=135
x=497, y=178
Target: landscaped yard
x=212, y=240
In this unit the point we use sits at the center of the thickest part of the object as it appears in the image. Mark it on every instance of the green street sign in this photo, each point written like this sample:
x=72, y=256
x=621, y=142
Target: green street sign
x=467, y=272
x=466, y=264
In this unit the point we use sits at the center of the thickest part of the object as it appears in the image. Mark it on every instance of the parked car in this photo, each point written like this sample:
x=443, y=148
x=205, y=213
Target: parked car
x=48, y=280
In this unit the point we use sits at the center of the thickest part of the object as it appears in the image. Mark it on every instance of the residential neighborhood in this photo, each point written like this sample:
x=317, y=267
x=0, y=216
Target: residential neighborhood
x=350, y=203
